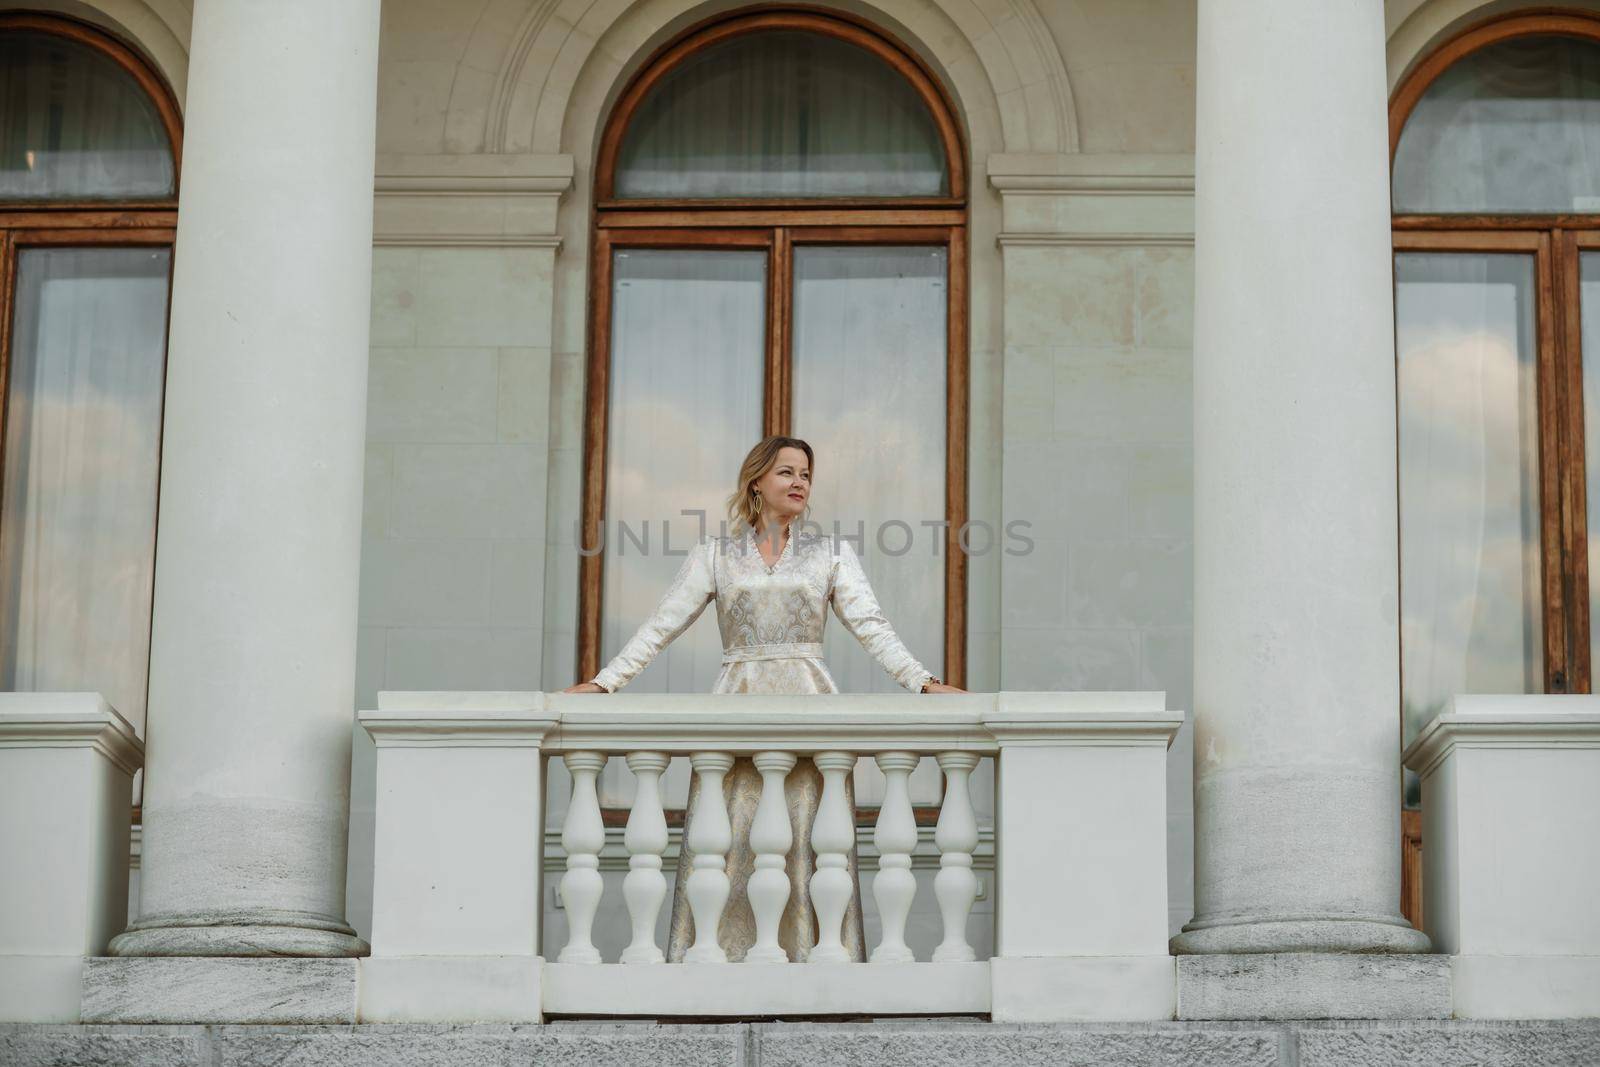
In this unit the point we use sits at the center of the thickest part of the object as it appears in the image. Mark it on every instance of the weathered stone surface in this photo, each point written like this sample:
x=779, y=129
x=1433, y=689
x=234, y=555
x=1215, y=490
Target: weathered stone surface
x=927, y=1044
x=56, y=1045
x=919, y=1042
x=1567, y=1043
x=1447, y=1044
x=1313, y=985
x=504, y=1045
x=219, y=990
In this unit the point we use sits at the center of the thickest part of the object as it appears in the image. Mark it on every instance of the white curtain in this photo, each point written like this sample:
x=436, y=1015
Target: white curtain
x=688, y=335
x=1471, y=616
x=688, y=331
x=782, y=114
x=1513, y=127
x=869, y=397
x=74, y=125
x=1589, y=281
x=82, y=444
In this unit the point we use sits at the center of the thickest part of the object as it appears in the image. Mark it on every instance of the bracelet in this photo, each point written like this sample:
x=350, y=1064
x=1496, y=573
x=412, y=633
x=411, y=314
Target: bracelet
x=930, y=681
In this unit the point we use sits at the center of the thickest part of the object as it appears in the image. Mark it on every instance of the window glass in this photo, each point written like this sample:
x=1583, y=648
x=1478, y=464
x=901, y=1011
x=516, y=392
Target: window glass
x=82, y=451
x=781, y=114
x=1471, y=616
x=1513, y=127
x=76, y=126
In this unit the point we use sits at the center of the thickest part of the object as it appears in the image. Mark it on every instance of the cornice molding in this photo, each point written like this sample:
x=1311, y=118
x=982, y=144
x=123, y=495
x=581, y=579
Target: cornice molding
x=469, y=201
x=1506, y=722
x=69, y=720
x=1094, y=201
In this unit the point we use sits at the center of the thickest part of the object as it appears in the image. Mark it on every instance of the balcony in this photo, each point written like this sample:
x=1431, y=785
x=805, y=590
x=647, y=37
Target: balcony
x=1079, y=925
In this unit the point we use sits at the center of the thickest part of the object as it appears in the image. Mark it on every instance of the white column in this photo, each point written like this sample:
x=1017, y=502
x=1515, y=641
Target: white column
x=1296, y=682
x=252, y=664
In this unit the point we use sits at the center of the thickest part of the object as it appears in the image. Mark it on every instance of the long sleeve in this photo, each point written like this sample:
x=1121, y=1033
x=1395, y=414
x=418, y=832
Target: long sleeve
x=858, y=610
x=691, y=590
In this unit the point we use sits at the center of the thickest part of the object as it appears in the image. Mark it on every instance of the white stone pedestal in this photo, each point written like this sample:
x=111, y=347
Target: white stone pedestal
x=1081, y=861
x=67, y=762
x=456, y=885
x=1511, y=852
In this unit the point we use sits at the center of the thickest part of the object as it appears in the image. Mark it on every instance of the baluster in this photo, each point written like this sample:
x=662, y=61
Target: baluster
x=646, y=837
x=956, y=835
x=710, y=837
x=894, y=887
x=832, y=836
x=770, y=839
x=583, y=835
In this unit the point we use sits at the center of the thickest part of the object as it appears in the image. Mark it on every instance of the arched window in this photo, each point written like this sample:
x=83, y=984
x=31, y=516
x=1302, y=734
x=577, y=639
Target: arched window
x=1496, y=186
x=89, y=146
x=779, y=247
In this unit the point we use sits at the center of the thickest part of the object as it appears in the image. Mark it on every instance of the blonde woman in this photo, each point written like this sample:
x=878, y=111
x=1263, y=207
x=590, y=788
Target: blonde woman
x=772, y=586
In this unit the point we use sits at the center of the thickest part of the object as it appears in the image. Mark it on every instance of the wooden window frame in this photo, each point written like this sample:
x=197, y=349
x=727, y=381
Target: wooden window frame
x=778, y=225
x=95, y=223
x=1554, y=241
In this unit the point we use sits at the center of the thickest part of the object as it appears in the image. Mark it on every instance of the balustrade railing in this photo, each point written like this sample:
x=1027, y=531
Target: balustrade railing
x=1080, y=883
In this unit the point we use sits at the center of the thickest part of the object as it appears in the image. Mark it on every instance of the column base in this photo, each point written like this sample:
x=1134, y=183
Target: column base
x=1314, y=985
x=256, y=991
x=193, y=936
x=1300, y=935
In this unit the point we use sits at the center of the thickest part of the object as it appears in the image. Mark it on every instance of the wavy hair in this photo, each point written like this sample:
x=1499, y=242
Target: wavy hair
x=761, y=459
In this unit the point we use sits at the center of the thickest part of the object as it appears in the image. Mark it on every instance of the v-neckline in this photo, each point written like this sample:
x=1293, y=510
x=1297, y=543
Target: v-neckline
x=772, y=568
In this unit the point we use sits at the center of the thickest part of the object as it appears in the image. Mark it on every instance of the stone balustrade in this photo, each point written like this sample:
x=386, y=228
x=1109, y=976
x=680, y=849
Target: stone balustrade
x=1080, y=849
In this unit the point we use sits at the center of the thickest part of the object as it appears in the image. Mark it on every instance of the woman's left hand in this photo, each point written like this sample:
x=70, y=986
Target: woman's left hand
x=940, y=687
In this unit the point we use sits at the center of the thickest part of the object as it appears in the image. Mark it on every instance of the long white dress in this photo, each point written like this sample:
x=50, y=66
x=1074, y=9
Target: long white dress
x=771, y=620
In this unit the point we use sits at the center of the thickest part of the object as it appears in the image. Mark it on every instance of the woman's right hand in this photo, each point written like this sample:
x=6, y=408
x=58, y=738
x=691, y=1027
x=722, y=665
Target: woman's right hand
x=584, y=687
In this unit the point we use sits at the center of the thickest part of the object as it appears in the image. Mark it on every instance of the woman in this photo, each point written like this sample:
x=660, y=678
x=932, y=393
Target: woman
x=772, y=585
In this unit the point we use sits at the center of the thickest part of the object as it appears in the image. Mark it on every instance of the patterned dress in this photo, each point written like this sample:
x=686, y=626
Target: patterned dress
x=771, y=621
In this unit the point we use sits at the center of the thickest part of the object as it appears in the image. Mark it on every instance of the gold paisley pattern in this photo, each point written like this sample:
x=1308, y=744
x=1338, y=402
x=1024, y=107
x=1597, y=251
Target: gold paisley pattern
x=763, y=613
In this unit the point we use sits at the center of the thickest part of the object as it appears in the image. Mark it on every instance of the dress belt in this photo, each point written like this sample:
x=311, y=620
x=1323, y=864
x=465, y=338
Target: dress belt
x=777, y=650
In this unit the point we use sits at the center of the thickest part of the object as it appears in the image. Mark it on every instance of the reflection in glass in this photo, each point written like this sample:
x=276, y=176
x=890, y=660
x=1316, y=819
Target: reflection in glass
x=82, y=445
x=75, y=126
x=869, y=396
x=1512, y=127
x=1589, y=282
x=688, y=330
x=1469, y=497
x=785, y=113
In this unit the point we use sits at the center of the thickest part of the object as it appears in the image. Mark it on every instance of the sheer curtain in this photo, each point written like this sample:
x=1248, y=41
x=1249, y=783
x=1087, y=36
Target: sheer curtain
x=687, y=357
x=782, y=114
x=1471, y=619
x=74, y=125
x=869, y=396
x=82, y=448
x=1589, y=304
x=1512, y=127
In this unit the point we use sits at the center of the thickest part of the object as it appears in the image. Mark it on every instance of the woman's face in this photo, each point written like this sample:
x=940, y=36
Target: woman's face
x=785, y=488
